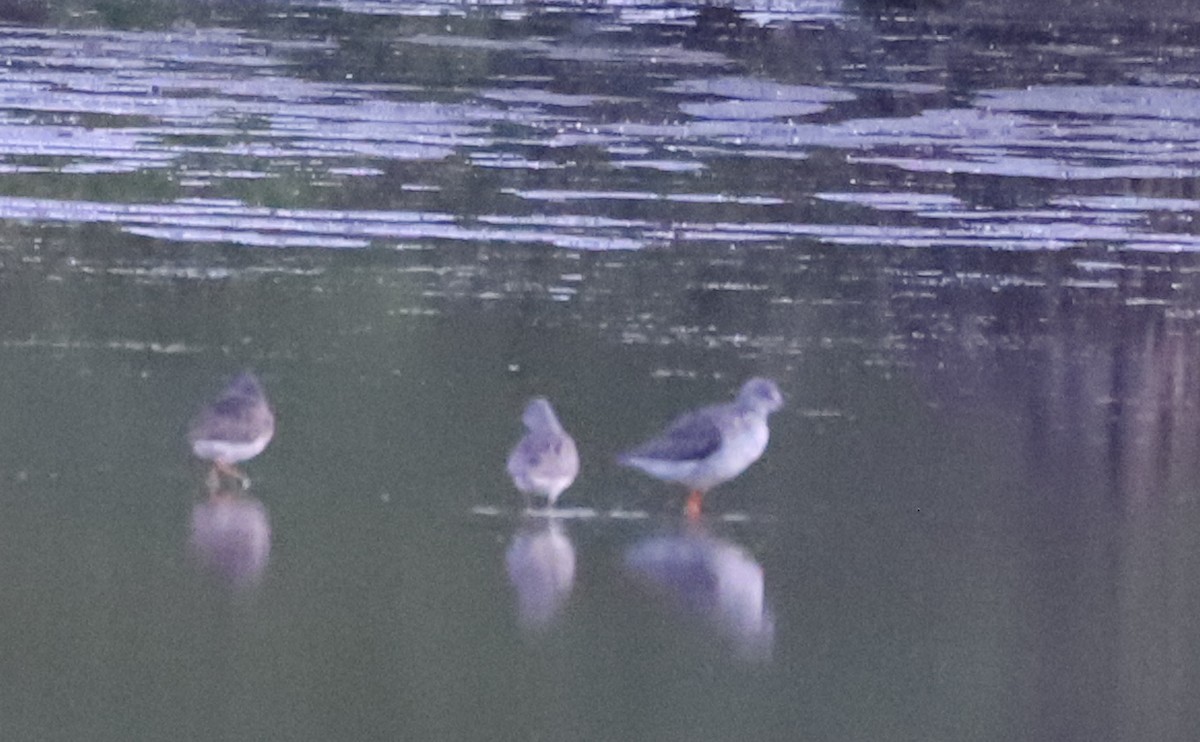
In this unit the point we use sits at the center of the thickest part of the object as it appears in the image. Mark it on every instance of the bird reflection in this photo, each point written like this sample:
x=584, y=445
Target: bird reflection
x=231, y=538
x=712, y=579
x=541, y=567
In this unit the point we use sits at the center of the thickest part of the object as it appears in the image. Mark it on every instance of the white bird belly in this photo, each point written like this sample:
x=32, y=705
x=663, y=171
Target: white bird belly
x=229, y=451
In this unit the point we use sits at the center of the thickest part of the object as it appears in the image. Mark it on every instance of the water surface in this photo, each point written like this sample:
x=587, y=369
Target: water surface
x=960, y=237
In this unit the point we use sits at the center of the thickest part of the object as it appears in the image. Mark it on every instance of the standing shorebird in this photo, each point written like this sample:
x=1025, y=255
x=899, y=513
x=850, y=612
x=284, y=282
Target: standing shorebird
x=545, y=462
x=711, y=445
x=235, y=427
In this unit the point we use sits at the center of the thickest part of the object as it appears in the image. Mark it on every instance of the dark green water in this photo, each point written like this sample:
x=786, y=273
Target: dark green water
x=960, y=238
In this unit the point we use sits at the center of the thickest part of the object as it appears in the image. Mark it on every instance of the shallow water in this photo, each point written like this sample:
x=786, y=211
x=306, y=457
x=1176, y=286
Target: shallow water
x=959, y=236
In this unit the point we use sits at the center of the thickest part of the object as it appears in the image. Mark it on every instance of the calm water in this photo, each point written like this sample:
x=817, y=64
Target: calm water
x=960, y=236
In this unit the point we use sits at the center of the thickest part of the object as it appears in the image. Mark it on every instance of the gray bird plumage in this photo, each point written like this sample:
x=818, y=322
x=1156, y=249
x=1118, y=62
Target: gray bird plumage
x=545, y=462
x=234, y=427
x=711, y=445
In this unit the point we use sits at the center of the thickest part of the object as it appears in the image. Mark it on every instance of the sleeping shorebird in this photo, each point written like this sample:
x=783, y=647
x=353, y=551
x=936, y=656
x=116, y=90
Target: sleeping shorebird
x=235, y=427
x=545, y=462
x=711, y=445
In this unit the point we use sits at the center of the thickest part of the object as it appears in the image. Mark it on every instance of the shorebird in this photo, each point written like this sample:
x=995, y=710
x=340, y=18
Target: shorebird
x=235, y=427
x=710, y=445
x=545, y=461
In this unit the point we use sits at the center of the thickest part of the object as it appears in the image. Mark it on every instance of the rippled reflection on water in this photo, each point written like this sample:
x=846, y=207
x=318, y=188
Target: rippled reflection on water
x=627, y=127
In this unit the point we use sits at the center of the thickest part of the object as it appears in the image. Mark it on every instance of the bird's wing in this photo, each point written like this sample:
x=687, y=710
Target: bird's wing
x=550, y=452
x=692, y=437
x=231, y=418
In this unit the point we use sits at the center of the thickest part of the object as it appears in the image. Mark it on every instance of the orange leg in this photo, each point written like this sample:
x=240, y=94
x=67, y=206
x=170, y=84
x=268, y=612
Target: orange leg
x=233, y=472
x=695, y=502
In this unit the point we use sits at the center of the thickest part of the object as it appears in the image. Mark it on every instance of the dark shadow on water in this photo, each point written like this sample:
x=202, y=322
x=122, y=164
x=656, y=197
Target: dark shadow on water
x=1082, y=371
x=1094, y=360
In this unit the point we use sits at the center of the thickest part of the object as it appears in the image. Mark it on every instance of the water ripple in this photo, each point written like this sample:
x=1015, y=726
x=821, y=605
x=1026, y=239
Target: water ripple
x=611, y=135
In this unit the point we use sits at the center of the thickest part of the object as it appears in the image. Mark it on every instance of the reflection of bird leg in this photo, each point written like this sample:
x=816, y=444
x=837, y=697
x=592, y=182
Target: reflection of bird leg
x=213, y=480
x=221, y=495
x=695, y=502
x=230, y=470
